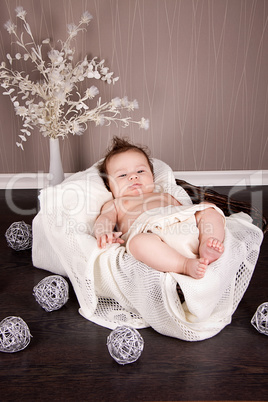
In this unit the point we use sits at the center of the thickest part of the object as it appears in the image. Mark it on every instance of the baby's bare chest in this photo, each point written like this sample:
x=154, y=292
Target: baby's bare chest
x=130, y=208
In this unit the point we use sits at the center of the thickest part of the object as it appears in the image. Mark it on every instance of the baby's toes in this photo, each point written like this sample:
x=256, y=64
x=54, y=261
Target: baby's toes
x=203, y=262
x=218, y=245
x=221, y=247
x=215, y=243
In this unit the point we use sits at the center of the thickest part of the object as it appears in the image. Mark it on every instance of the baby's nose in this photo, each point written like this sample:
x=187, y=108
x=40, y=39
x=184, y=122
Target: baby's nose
x=133, y=176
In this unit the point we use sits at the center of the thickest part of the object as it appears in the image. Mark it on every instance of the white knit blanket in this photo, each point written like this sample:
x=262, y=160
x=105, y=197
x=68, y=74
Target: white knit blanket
x=113, y=288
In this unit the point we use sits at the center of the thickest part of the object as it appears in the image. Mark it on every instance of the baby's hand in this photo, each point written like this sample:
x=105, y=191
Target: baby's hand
x=109, y=238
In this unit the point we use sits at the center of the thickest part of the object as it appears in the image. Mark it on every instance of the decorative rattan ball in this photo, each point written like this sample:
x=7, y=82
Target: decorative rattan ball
x=52, y=292
x=260, y=319
x=14, y=334
x=125, y=344
x=19, y=236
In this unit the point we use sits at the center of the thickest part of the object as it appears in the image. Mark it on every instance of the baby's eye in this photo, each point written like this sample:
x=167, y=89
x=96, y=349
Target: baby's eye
x=122, y=175
x=140, y=171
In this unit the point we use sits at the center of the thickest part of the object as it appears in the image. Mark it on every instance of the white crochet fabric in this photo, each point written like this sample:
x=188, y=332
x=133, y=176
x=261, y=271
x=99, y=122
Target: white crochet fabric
x=114, y=289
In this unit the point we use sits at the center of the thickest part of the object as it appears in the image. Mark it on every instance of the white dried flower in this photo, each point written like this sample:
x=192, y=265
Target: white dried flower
x=77, y=128
x=108, y=78
x=72, y=30
x=10, y=27
x=133, y=105
x=33, y=56
x=21, y=110
x=19, y=145
x=9, y=58
x=144, y=123
x=86, y=17
x=96, y=75
x=104, y=70
x=92, y=92
x=53, y=102
x=9, y=92
x=100, y=120
x=116, y=103
x=124, y=101
x=55, y=56
x=60, y=96
x=20, y=12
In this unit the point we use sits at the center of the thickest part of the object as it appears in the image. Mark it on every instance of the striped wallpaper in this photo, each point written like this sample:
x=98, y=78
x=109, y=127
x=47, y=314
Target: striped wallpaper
x=198, y=68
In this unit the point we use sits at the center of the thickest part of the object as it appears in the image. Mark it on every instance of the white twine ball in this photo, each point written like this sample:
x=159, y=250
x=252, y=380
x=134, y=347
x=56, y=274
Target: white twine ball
x=260, y=319
x=125, y=344
x=52, y=292
x=19, y=236
x=14, y=334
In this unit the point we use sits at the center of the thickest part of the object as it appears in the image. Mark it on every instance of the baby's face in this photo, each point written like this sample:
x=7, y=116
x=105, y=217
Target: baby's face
x=129, y=174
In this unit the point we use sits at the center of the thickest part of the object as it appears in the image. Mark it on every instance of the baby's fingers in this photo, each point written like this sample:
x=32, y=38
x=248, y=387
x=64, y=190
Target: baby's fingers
x=110, y=238
x=120, y=241
x=101, y=241
x=117, y=238
x=117, y=234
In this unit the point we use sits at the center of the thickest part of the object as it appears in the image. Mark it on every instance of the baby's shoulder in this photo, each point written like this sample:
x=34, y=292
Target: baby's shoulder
x=108, y=206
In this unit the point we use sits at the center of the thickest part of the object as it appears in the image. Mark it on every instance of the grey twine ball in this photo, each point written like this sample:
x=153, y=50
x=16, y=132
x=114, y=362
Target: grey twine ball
x=260, y=319
x=14, y=334
x=125, y=344
x=19, y=236
x=52, y=292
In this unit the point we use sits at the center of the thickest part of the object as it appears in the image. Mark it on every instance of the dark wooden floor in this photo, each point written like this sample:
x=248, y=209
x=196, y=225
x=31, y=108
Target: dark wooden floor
x=67, y=359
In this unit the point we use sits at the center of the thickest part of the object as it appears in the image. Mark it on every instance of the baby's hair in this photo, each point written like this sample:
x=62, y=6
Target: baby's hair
x=118, y=146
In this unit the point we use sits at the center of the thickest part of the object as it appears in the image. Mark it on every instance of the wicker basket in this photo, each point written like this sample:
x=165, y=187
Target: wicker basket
x=227, y=204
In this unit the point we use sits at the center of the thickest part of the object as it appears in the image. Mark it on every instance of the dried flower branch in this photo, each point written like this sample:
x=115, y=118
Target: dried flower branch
x=53, y=103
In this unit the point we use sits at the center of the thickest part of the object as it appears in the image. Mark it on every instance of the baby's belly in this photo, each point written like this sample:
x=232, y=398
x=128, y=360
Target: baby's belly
x=131, y=208
x=130, y=216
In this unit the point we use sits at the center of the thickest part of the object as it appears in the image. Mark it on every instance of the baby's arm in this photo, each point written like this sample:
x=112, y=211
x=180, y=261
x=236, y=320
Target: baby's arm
x=105, y=224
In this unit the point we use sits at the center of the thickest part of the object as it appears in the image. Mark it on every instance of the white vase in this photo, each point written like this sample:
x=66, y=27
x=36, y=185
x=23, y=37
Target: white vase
x=56, y=175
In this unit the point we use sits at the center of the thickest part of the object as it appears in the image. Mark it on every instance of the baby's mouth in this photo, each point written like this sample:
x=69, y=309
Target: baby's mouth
x=135, y=185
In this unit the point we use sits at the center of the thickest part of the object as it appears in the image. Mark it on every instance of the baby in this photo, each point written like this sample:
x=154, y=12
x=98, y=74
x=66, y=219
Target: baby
x=128, y=173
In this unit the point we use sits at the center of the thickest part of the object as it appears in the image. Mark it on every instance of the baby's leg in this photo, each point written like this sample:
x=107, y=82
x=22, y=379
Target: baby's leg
x=152, y=251
x=211, y=233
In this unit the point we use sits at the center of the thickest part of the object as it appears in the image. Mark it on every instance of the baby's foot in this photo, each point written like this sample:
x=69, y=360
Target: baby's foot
x=211, y=249
x=195, y=268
